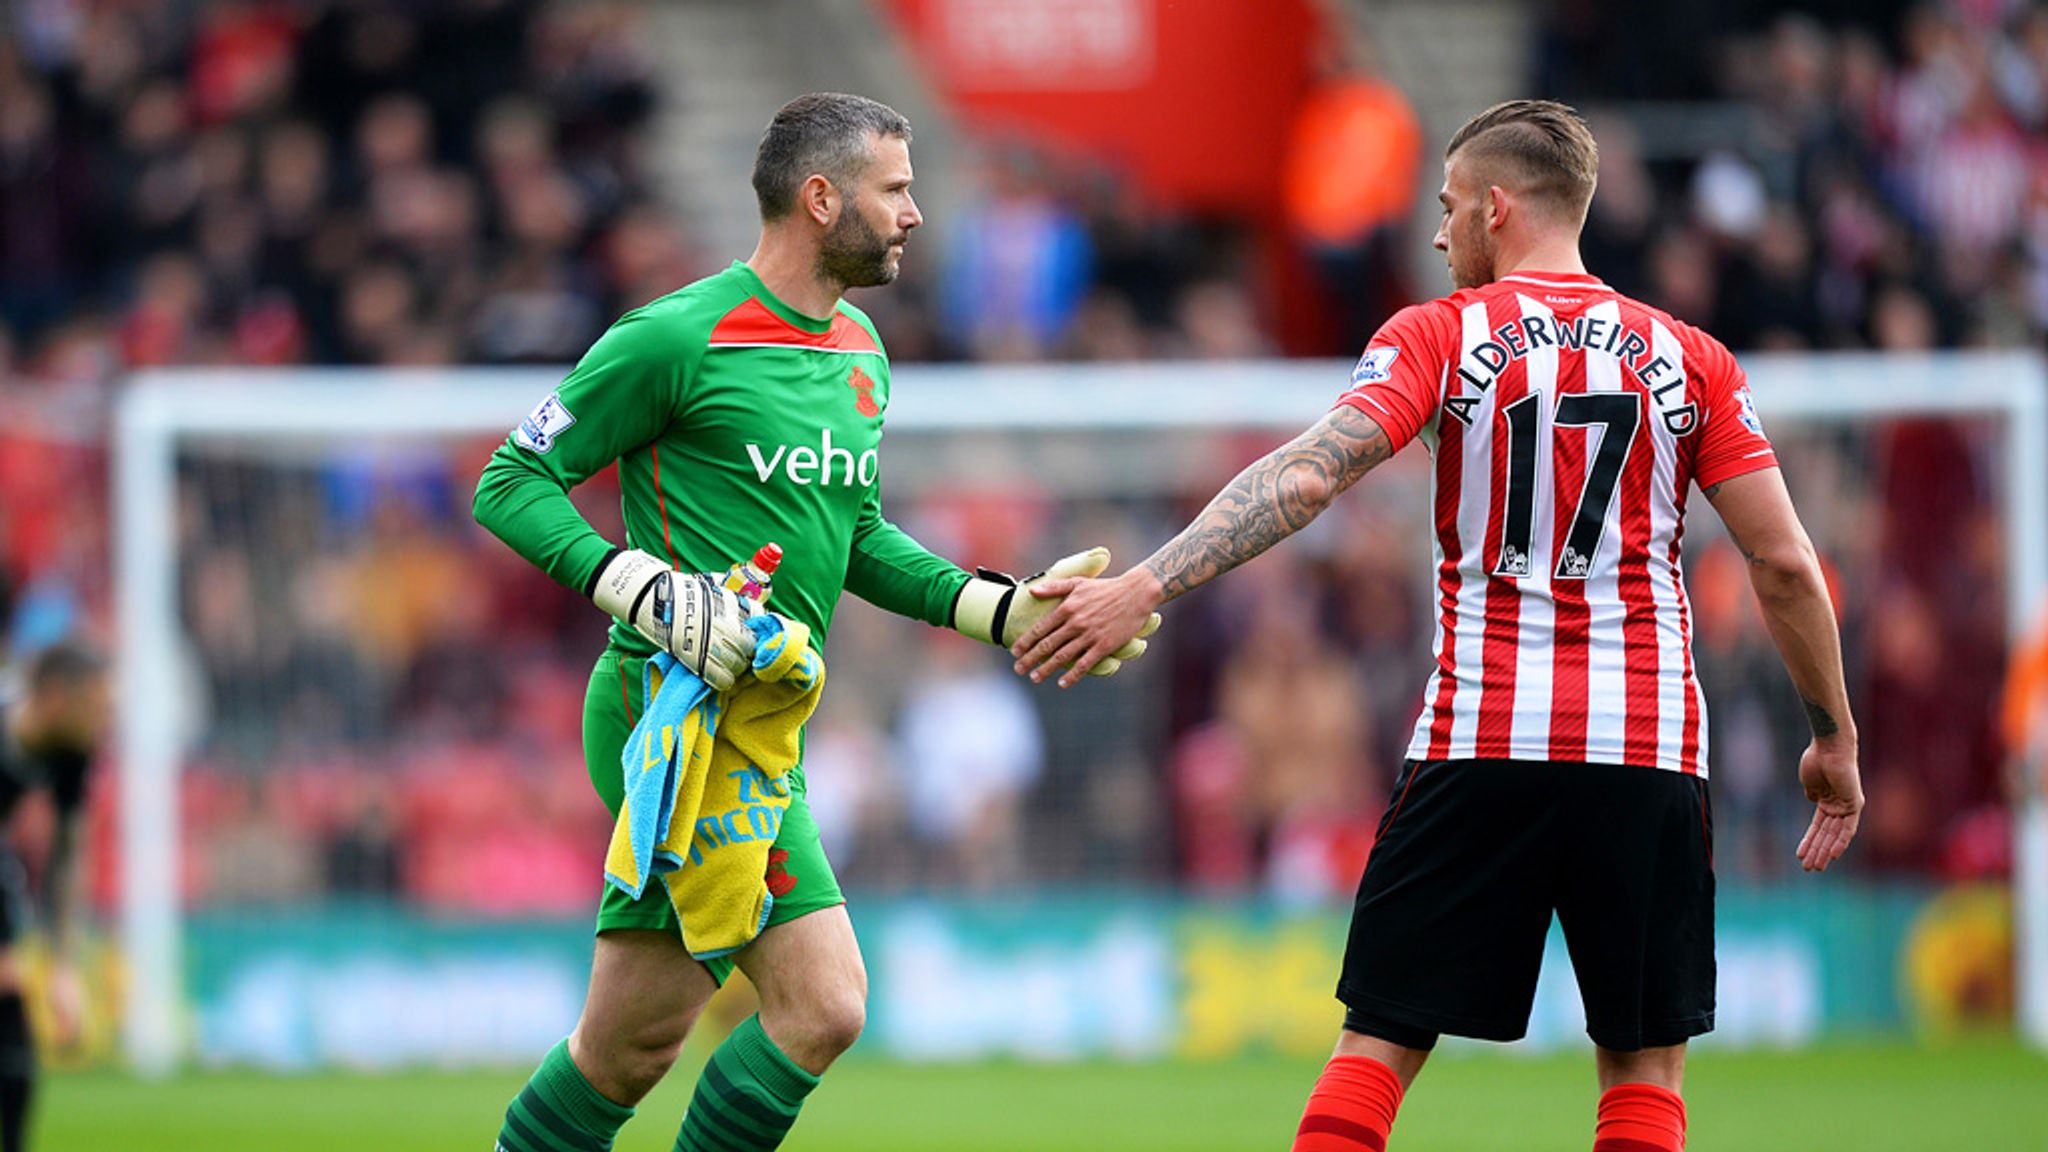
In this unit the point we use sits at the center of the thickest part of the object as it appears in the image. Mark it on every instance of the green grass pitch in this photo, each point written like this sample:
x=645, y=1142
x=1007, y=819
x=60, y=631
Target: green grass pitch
x=1977, y=1095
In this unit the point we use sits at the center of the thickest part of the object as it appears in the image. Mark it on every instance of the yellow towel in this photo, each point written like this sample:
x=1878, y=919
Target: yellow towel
x=732, y=757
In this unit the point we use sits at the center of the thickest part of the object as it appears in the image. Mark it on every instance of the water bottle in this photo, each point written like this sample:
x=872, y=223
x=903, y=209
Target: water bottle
x=754, y=578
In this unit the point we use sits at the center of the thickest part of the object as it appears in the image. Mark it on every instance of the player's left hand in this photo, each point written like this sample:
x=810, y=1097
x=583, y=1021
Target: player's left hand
x=1829, y=774
x=1092, y=621
x=66, y=998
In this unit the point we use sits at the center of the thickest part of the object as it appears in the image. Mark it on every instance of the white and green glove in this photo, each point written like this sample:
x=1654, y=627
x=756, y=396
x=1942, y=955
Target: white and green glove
x=689, y=615
x=998, y=609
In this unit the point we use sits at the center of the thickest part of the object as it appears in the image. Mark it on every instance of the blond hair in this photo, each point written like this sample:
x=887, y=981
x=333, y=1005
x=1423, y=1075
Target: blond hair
x=1539, y=148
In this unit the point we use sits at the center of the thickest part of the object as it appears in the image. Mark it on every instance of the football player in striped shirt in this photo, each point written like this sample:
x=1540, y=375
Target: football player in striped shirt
x=1559, y=764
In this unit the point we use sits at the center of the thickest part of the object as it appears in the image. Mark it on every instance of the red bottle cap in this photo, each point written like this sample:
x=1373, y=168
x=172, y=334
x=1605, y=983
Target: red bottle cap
x=769, y=558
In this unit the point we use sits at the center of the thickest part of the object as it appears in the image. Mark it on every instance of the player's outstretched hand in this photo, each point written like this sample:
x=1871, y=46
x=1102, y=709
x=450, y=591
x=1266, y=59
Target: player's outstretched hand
x=1833, y=783
x=1092, y=621
x=993, y=608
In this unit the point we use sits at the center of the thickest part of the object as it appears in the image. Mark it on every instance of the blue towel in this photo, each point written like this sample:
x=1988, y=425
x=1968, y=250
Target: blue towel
x=680, y=718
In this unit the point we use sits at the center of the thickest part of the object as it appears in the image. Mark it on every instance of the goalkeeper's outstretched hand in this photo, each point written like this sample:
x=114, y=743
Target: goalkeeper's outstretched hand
x=1084, y=623
x=991, y=609
x=689, y=615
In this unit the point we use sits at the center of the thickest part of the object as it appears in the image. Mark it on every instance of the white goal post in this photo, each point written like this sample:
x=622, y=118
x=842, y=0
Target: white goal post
x=162, y=410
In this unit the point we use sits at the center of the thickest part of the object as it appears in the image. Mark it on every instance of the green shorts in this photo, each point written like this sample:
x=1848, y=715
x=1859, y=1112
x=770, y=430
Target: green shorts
x=798, y=873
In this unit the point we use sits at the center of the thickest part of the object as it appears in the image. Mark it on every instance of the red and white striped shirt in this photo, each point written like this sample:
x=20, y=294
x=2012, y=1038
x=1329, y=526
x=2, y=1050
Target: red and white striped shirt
x=1568, y=424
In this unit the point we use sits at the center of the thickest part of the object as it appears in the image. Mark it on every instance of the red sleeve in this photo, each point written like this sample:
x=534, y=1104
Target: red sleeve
x=1731, y=439
x=1399, y=380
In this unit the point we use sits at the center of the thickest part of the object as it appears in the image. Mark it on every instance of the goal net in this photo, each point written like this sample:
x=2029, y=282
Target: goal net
x=349, y=715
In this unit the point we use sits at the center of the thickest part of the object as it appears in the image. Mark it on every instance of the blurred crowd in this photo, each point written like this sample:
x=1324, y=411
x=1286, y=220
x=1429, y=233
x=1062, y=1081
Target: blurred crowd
x=252, y=182
x=468, y=181
x=1867, y=185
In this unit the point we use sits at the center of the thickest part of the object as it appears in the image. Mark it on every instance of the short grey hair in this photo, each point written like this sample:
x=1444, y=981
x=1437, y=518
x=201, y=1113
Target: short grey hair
x=823, y=134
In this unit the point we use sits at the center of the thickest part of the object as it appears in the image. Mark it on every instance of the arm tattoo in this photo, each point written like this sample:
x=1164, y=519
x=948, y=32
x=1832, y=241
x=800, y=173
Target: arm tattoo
x=1818, y=719
x=1271, y=500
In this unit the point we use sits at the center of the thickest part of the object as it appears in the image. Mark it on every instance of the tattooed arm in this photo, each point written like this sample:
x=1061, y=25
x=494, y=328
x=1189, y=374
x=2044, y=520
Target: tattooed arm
x=1785, y=574
x=1269, y=501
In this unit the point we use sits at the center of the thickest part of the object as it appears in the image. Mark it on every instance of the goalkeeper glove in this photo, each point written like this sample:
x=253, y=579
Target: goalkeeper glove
x=998, y=609
x=686, y=614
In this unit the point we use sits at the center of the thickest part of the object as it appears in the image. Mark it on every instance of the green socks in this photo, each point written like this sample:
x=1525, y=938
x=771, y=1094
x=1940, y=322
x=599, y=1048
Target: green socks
x=560, y=1112
x=746, y=1100
x=747, y=1097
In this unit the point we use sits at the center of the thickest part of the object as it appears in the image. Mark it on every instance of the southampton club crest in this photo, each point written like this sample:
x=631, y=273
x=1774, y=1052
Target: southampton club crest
x=863, y=386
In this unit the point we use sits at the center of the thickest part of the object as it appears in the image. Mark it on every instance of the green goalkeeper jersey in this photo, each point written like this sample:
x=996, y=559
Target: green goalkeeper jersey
x=736, y=421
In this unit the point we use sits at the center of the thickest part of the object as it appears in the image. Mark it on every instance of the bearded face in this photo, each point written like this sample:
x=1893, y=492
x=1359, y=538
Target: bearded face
x=1471, y=250
x=857, y=255
x=1468, y=248
x=864, y=246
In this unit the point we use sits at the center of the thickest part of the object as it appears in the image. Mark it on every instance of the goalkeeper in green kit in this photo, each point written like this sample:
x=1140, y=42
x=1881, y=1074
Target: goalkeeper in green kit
x=743, y=409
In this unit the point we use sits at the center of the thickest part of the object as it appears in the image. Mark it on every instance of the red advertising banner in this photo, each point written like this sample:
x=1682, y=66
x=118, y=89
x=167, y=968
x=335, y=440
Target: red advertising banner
x=1044, y=45
x=1192, y=97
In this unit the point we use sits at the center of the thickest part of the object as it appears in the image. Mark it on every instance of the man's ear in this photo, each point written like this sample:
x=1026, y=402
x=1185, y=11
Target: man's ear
x=1499, y=205
x=819, y=199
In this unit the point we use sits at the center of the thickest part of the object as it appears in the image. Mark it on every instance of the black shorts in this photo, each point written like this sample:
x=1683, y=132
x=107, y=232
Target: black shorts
x=1473, y=856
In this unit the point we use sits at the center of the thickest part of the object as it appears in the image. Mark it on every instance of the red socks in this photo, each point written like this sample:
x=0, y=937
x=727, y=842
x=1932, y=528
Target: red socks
x=1353, y=1105
x=1352, y=1108
x=1640, y=1118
